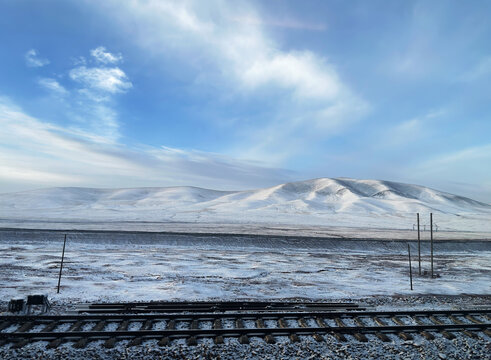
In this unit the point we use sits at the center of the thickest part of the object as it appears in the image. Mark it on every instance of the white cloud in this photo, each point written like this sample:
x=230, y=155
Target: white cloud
x=35, y=153
x=111, y=80
x=238, y=59
x=105, y=57
x=95, y=99
x=53, y=86
x=33, y=60
x=304, y=73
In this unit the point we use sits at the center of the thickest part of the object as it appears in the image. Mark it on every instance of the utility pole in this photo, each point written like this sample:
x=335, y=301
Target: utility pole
x=410, y=267
x=419, y=246
x=431, y=240
x=61, y=265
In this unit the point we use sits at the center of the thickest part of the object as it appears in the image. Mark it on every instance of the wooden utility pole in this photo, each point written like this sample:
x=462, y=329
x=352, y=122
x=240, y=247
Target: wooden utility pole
x=61, y=265
x=431, y=240
x=410, y=267
x=419, y=246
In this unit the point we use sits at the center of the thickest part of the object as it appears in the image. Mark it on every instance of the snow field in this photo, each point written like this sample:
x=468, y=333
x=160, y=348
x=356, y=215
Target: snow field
x=225, y=269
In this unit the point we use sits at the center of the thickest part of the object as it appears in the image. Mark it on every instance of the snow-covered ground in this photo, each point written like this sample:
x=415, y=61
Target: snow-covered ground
x=104, y=266
x=345, y=205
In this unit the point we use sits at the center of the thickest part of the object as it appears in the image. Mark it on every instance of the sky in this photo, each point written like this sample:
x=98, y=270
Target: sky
x=245, y=94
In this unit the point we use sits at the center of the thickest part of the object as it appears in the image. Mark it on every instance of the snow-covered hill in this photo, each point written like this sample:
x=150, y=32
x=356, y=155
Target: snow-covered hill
x=325, y=201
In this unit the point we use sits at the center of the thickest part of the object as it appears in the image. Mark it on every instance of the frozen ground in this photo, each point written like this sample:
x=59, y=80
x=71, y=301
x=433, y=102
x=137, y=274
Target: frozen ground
x=124, y=266
x=104, y=266
x=337, y=207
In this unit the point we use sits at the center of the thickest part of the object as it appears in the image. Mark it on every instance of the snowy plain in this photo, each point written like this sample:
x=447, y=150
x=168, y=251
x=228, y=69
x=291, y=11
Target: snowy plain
x=105, y=266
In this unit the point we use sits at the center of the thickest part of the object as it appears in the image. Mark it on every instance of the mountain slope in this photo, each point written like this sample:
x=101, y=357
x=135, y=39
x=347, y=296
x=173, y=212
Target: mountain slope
x=326, y=201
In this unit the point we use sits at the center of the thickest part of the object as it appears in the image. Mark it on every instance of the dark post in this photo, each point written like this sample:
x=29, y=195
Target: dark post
x=419, y=247
x=431, y=240
x=61, y=265
x=410, y=267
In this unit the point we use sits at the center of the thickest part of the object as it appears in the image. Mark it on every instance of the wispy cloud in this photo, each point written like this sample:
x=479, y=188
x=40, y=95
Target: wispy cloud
x=90, y=99
x=307, y=97
x=33, y=60
x=53, y=86
x=99, y=86
x=103, y=56
x=37, y=153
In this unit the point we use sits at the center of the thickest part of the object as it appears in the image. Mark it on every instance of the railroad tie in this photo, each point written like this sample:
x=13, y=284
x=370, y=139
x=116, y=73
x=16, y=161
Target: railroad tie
x=217, y=324
x=191, y=341
x=58, y=341
x=147, y=325
x=171, y=325
x=243, y=339
x=426, y=334
x=268, y=338
x=380, y=335
x=403, y=335
x=321, y=324
x=282, y=324
x=303, y=323
x=339, y=336
x=54, y=343
x=466, y=332
x=5, y=325
x=20, y=343
x=50, y=327
x=445, y=334
x=109, y=343
x=84, y=341
x=24, y=328
x=475, y=321
x=358, y=336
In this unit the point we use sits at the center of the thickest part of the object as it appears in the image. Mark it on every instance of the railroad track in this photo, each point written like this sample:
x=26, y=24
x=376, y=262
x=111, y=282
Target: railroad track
x=212, y=306
x=362, y=326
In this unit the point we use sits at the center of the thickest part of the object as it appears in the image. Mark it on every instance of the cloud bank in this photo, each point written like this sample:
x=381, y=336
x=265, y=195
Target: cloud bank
x=35, y=153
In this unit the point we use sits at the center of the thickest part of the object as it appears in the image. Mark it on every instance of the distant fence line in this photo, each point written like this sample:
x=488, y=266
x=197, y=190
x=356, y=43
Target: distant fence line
x=425, y=227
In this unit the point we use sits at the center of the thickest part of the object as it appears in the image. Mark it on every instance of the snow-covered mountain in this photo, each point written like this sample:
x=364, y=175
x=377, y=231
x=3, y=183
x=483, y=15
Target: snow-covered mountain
x=326, y=201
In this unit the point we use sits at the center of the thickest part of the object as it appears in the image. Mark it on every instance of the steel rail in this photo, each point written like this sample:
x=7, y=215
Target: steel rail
x=243, y=315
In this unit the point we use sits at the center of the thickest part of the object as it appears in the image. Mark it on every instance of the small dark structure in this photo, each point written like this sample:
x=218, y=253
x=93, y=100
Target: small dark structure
x=17, y=305
x=38, y=300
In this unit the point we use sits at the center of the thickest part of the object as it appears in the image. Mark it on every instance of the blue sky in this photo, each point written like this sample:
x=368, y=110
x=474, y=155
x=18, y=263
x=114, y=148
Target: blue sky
x=245, y=94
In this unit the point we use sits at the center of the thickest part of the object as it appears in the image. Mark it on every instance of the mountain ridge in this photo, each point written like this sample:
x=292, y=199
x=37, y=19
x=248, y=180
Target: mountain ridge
x=323, y=190
x=322, y=202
